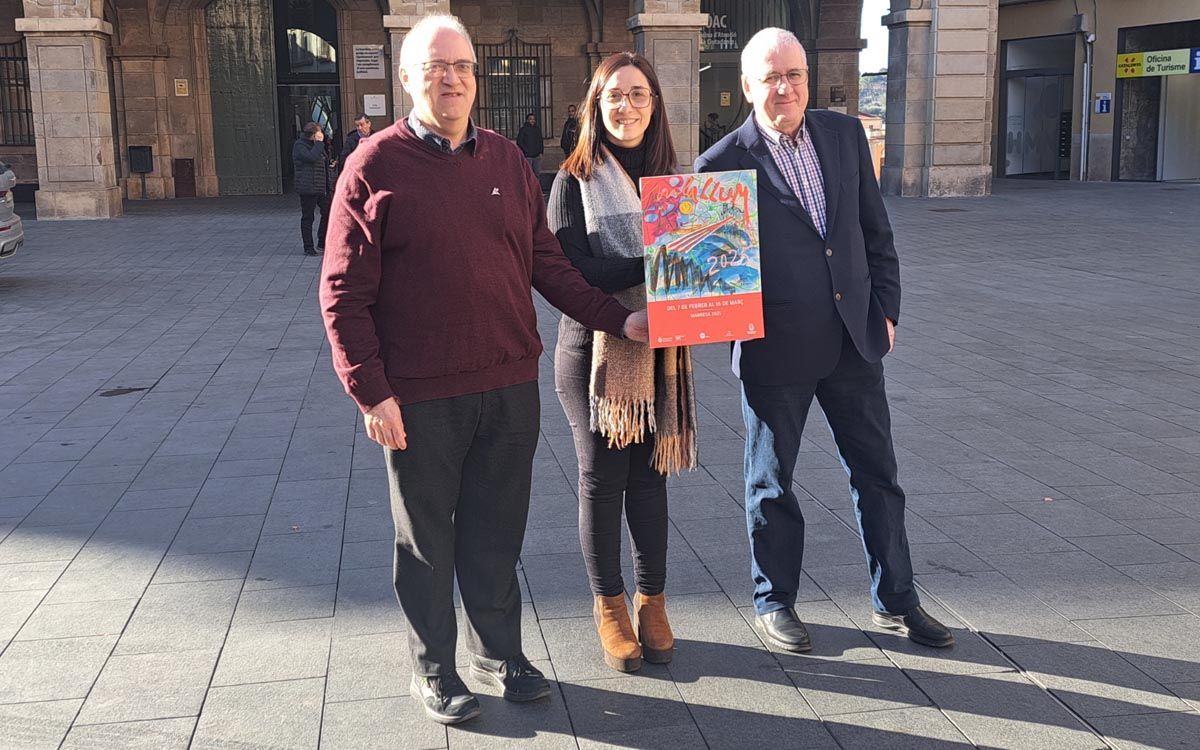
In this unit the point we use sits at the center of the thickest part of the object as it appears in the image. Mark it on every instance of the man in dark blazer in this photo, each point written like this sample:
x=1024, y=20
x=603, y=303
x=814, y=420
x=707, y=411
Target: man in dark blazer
x=831, y=300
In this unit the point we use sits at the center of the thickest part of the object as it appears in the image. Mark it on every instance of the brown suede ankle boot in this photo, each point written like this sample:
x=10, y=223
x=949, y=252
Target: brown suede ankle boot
x=621, y=649
x=654, y=632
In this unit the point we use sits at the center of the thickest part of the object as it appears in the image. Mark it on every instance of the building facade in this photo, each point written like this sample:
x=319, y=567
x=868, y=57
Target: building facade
x=1102, y=90
x=107, y=100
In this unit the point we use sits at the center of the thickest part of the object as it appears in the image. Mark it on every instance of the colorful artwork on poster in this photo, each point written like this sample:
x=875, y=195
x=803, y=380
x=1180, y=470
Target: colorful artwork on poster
x=703, y=275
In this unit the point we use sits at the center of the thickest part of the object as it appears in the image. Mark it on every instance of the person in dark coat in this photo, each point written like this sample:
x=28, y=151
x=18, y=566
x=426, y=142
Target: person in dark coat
x=570, y=132
x=314, y=184
x=831, y=298
x=362, y=129
x=529, y=140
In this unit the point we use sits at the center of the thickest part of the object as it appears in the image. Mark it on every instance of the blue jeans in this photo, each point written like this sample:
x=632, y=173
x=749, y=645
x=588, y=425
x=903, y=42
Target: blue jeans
x=855, y=404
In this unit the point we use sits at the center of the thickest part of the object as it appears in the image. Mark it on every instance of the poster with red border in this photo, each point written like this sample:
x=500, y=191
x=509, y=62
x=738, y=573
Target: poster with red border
x=703, y=273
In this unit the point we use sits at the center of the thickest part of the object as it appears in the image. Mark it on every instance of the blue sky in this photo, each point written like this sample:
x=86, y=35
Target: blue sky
x=874, y=57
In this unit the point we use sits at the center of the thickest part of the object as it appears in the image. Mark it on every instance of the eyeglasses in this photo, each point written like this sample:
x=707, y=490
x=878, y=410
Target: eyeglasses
x=438, y=68
x=638, y=98
x=797, y=77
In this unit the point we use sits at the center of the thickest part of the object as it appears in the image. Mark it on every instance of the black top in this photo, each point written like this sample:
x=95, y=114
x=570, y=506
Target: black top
x=530, y=138
x=311, y=166
x=565, y=216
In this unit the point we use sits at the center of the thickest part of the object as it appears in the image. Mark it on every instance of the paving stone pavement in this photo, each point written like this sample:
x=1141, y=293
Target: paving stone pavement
x=194, y=535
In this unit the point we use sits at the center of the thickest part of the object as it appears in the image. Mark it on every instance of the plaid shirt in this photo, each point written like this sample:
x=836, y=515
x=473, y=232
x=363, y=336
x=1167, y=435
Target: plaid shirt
x=797, y=159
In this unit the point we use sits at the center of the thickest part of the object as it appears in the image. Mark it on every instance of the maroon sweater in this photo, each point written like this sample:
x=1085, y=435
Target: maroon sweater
x=429, y=261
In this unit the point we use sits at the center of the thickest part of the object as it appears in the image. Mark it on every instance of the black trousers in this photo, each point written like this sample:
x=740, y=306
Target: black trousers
x=308, y=205
x=855, y=404
x=460, y=499
x=610, y=480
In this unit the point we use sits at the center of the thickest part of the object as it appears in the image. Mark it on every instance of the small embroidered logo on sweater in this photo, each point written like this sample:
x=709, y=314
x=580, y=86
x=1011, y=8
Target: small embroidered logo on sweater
x=495, y=191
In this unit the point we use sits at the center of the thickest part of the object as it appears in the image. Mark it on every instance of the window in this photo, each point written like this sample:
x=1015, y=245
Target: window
x=514, y=80
x=16, y=113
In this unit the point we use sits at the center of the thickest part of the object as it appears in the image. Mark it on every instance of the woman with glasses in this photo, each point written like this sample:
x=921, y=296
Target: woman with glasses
x=631, y=408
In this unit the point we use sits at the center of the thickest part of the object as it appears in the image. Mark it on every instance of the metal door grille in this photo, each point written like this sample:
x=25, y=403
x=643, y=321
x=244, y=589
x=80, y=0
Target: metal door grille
x=16, y=113
x=514, y=80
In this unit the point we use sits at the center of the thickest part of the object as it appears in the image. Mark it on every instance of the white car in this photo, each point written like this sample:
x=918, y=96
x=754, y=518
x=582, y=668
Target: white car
x=12, y=232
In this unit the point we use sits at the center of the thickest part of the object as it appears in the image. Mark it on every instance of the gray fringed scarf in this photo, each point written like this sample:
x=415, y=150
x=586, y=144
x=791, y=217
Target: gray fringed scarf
x=635, y=389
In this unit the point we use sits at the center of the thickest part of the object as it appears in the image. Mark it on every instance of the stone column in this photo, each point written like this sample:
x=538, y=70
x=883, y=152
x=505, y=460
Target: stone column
x=72, y=110
x=404, y=15
x=941, y=94
x=667, y=33
x=837, y=49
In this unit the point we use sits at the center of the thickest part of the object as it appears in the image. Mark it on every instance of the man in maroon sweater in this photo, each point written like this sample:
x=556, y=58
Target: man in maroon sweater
x=436, y=236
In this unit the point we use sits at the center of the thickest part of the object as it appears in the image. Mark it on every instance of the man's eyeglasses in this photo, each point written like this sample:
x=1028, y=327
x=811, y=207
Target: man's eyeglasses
x=638, y=98
x=797, y=77
x=438, y=68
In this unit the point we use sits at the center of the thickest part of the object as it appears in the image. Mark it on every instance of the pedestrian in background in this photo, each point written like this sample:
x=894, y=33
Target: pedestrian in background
x=570, y=132
x=530, y=141
x=362, y=129
x=314, y=184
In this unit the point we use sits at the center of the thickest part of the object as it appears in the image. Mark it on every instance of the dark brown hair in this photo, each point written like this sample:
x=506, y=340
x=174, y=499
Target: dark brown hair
x=660, y=149
x=310, y=129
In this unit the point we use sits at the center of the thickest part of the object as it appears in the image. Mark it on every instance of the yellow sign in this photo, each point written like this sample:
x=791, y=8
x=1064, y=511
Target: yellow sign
x=726, y=98
x=181, y=87
x=1167, y=62
x=1130, y=65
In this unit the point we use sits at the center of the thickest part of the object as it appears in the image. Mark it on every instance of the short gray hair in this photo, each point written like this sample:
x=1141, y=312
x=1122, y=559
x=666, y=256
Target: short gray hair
x=423, y=30
x=770, y=39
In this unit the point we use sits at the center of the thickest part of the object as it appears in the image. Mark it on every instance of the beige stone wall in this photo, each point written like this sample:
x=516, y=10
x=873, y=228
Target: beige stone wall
x=10, y=11
x=941, y=98
x=667, y=32
x=838, y=47
x=72, y=116
x=360, y=22
x=1057, y=17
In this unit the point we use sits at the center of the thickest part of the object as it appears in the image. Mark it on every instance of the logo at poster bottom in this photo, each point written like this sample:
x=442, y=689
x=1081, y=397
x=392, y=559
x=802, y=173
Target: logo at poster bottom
x=706, y=321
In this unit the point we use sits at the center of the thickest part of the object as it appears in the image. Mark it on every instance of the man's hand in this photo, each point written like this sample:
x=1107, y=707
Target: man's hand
x=637, y=327
x=891, y=334
x=385, y=425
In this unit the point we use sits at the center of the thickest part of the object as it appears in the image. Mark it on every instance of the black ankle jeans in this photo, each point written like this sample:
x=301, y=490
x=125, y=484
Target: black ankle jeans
x=609, y=480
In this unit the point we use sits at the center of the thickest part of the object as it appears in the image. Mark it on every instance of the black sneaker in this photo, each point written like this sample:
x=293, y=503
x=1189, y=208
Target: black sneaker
x=445, y=698
x=520, y=680
x=918, y=625
x=309, y=251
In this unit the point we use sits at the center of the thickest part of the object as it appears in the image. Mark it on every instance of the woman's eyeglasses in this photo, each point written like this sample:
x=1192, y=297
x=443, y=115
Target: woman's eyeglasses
x=638, y=98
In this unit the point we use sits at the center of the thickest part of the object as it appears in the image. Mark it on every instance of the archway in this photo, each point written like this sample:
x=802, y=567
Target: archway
x=273, y=66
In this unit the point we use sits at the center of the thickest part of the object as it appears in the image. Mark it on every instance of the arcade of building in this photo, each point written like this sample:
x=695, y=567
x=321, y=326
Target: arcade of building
x=103, y=101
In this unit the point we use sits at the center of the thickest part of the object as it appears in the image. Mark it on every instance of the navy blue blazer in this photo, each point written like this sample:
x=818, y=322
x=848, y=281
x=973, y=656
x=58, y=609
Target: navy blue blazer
x=813, y=286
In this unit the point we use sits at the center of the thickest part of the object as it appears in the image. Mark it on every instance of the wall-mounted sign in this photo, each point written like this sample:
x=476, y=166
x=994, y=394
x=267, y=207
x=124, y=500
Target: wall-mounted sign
x=374, y=105
x=1104, y=103
x=719, y=35
x=837, y=94
x=1166, y=62
x=181, y=87
x=368, y=61
x=726, y=98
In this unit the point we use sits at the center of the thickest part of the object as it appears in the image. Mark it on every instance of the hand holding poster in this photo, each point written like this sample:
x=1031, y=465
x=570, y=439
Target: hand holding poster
x=703, y=279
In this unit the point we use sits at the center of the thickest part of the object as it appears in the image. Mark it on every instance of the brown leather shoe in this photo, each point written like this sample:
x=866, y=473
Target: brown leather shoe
x=654, y=632
x=621, y=649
